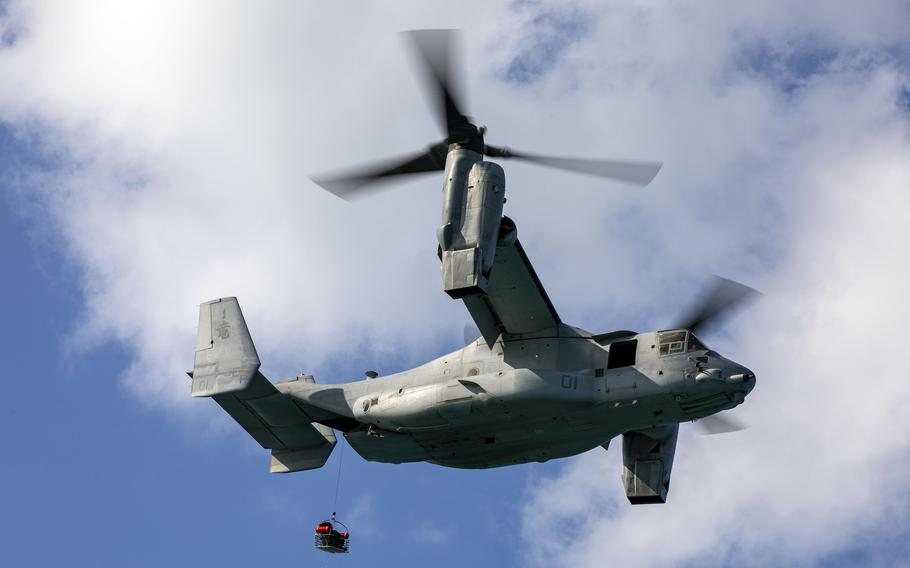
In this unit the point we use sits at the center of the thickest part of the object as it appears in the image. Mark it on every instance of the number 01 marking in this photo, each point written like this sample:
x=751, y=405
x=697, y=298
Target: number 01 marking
x=569, y=382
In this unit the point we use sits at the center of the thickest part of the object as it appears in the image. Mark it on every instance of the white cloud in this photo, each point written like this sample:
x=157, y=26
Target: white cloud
x=820, y=176
x=188, y=137
x=821, y=470
x=186, y=134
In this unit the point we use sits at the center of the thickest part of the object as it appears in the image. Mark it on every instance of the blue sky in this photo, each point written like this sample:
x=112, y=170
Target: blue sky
x=156, y=156
x=548, y=35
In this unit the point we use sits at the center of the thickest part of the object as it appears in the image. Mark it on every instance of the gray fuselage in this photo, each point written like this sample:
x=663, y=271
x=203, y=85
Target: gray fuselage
x=531, y=398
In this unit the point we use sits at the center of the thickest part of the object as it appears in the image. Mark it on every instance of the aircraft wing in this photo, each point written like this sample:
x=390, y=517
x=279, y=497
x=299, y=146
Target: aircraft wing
x=515, y=301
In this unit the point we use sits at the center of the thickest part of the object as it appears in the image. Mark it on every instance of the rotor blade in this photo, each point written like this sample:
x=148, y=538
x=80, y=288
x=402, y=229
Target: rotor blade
x=433, y=48
x=718, y=424
x=638, y=173
x=353, y=184
x=721, y=300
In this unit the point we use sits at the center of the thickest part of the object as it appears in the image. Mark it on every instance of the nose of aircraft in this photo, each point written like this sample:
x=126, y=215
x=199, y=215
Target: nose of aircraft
x=750, y=381
x=742, y=376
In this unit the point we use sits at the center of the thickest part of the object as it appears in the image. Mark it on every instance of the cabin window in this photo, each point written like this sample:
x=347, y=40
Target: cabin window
x=672, y=342
x=622, y=354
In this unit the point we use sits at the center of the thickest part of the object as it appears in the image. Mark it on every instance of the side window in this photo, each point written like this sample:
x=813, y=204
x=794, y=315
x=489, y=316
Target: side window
x=672, y=342
x=622, y=354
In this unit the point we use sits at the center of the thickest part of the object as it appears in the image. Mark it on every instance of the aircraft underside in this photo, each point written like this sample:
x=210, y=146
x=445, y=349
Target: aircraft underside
x=531, y=442
x=505, y=439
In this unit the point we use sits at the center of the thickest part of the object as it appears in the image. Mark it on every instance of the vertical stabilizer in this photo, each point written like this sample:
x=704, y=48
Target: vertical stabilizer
x=226, y=358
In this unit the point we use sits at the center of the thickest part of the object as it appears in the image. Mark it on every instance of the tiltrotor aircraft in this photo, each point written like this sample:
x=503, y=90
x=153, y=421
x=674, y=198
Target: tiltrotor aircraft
x=530, y=388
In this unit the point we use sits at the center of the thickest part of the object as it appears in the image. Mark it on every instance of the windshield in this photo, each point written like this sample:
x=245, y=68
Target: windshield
x=672, y=342
x=679, y=341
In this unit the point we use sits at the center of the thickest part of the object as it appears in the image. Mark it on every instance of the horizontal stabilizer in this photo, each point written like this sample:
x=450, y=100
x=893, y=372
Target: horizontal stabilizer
x=227, y=369
x=271, y=417
x=286, y=461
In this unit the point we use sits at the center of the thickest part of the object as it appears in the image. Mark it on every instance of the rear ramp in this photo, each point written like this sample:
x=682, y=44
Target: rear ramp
x=227, y=369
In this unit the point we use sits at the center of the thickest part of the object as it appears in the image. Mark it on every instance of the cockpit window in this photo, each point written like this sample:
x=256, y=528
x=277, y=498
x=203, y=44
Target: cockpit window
x=672, y=342
x=695, y=344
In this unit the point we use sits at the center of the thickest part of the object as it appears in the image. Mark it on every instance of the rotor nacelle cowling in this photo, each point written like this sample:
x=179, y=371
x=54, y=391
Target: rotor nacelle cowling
x=473, y=197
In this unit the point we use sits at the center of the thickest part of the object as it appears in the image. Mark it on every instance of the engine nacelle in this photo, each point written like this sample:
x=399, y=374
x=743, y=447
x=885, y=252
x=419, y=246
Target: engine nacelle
x=647, y=457
x=474, y=195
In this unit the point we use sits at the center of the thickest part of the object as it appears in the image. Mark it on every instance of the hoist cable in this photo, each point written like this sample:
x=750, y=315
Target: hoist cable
x=338, y=480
